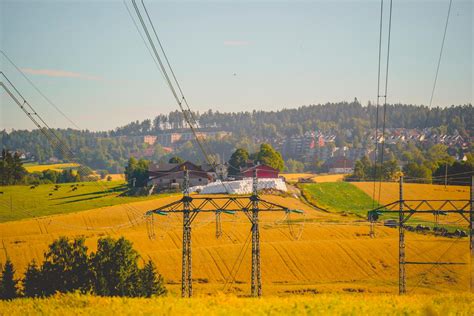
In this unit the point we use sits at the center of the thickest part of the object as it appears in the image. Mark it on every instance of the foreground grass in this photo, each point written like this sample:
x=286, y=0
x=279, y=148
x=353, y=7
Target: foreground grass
x=338, y=197
x=22, y=201
x=323, y=304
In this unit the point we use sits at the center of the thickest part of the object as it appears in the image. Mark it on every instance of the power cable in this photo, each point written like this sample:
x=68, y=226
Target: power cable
x=439, y=62
x=38, y=90
x=385, y=100
x=52, y=137
x=378, y=102
x=168, y=80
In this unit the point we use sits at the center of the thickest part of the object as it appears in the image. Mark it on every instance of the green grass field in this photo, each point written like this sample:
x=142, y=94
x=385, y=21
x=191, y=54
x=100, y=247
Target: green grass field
x=320, y=304
x=23, y=201
x=338, y=197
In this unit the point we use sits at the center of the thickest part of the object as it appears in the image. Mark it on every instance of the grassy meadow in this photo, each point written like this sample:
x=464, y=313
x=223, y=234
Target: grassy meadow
x=24, y=201
x=323, y=304
x=340, y=197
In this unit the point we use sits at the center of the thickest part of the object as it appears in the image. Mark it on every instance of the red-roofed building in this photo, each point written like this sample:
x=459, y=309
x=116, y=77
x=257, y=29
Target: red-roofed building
x=263, y=171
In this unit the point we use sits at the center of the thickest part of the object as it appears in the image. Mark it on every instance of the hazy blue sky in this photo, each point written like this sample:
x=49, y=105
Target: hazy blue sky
x=89, y=59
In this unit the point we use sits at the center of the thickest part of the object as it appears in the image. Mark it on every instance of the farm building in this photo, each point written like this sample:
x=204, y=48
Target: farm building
x=340, y=165
x=263, y=171
x=168, y=175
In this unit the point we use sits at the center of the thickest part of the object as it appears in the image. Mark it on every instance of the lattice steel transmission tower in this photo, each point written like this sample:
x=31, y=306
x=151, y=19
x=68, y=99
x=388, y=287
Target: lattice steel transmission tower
x=256, y=279
x=191, y=206
x=408, y=208
x=186, y=277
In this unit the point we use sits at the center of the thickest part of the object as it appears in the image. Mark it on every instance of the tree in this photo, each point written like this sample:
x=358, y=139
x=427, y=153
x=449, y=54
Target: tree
x=136, y=172
x=238, y=160
x=294, y=166
x=130, y=168
x=270, y=157
x=414, y=170
x=359, y=171
x=8, y=285
x=150, y=282
x=176, y=159
x=84, y=172
x=11, y=168
x=32, y=282
x=115, y=268
x=66, y=266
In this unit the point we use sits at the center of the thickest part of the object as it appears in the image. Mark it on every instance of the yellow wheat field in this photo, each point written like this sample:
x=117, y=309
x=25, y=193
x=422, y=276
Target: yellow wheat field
x=323, y=304
x=114, y=177
x=294, y=177
x=333, y=253
x=389, y=191
x=55, y=167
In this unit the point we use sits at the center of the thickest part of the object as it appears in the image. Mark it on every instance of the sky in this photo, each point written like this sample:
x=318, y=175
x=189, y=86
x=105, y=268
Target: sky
x=229, y=56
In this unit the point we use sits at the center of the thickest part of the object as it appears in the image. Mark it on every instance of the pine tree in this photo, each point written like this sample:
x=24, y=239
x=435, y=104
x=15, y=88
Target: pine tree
x=8, y=285
x=151, y=283
x=32, y=282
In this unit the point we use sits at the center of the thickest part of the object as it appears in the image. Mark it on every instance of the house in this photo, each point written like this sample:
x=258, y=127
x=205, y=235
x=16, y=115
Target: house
x=168, y=175
x=216, y=171
x=340, y=165
x=263, y=171
x=149, y=139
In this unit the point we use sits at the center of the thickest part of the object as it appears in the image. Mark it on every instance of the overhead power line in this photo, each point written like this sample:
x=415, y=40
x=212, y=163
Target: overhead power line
x=385, y=100
x=51, y=135
x=38, y=90
x=439, y=61
x=384, y=115
x=441, y=52
x=378, y=101
x=179, y=99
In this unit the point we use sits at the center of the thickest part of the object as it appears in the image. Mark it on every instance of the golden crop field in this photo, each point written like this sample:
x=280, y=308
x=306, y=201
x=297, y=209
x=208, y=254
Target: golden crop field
x=323, y=304
x=115, y=177
x=333, y=254
x=413, y=191
x=318, y=178
x=55, y=167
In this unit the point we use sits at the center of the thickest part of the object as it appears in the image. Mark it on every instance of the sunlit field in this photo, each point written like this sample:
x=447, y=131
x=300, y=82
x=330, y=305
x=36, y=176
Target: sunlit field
x=317, y=252
x=321, y=304
x=55, y=167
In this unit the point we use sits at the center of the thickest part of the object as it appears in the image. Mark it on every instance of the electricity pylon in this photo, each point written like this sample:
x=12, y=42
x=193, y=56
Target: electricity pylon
x=406, y=210
x=191, y=206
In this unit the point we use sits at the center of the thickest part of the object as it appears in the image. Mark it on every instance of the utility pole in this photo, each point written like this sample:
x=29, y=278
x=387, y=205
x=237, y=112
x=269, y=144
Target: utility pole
x=401, y=244
x=186, y=276
x=256, y=286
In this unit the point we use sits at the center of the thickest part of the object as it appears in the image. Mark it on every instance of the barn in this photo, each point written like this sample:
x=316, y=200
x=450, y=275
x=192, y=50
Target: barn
x=263, y=171
x=168, y=175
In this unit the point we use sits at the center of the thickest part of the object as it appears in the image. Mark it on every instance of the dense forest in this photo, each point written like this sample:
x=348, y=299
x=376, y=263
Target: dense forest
x=324, y=117
x=110, y=150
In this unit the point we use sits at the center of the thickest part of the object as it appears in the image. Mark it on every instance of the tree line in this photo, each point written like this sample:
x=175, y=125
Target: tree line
x=112, y=270
x=12, y=172
x=110, y=150
x=433, y=165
